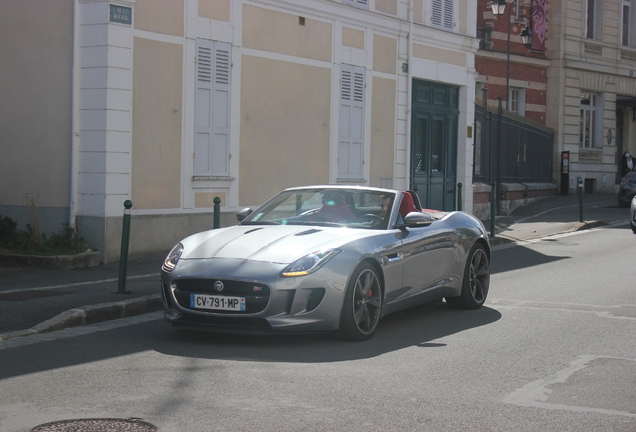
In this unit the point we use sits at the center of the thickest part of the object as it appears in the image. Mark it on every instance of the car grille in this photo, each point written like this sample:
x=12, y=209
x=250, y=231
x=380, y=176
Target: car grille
x=217, y=322
x=256, y=294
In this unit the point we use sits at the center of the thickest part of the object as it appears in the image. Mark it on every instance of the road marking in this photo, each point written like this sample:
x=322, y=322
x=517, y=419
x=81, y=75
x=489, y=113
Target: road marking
x=79, y=330
x=536, y=394
x=76, y=284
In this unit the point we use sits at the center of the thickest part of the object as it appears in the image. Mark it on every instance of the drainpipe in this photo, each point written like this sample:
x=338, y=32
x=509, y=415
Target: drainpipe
x=75, y=116
x=409, y=94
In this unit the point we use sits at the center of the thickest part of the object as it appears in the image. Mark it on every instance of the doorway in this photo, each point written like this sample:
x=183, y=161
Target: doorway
x=434, y=144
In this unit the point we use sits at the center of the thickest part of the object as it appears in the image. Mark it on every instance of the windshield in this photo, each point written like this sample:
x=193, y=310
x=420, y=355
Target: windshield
x=350, y=208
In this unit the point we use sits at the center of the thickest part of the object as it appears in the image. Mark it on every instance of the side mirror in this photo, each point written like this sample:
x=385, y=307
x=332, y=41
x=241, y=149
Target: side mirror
x=417, y=219
x=243, y=214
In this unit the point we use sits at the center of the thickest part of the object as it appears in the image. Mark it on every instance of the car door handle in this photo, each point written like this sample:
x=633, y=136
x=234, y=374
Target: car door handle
x=395, y=257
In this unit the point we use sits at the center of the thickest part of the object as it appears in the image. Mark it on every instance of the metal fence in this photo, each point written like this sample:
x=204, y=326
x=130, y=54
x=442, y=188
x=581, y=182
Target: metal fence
x=520, y=148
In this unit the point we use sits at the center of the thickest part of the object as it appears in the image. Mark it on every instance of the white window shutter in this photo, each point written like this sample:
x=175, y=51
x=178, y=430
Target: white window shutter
x=442, y=14
x=436, y=12
x=448, y=14
x=351, y=136
x=212, y=99
x=221, y=110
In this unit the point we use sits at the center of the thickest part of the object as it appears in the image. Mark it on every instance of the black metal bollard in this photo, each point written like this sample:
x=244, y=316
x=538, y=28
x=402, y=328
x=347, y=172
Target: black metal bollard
x=459, y=197
x=125, y=239
x=217, y=212
x=493, y=208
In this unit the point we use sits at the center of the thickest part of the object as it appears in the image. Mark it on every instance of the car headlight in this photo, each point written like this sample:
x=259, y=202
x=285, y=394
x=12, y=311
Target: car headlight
x=309, y=263
x=173, y=257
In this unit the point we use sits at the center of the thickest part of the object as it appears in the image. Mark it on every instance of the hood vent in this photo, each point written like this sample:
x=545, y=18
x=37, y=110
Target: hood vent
x=311, y=231
x=252, y=230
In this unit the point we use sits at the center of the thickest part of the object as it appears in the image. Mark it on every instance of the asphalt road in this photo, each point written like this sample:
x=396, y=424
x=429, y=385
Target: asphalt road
x=554, y=349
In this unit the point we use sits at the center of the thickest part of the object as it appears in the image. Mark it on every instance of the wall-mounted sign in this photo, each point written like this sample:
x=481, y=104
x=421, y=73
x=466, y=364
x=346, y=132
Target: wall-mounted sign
x=120, y=14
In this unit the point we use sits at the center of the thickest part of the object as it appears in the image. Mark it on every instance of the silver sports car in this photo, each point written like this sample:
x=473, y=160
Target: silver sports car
x=325, y=259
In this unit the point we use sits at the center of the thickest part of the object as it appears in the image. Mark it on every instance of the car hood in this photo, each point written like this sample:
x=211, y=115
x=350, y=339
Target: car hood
x=270, y=243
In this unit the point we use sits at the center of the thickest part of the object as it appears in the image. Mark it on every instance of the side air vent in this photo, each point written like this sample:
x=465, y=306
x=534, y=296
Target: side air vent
x=252, y=230
x=311, y=231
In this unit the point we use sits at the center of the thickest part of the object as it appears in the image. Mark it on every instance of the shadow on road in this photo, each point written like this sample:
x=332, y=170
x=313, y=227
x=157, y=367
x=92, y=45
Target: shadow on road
x=424, y=326
x=519, y=257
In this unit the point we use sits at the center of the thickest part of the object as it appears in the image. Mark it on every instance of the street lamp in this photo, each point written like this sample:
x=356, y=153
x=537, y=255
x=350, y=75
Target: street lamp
x=498, y=8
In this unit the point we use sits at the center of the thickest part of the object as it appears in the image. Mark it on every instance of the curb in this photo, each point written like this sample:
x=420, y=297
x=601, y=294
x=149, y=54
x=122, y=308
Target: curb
x=578, y=226
x=84, y=259
x=92, y=314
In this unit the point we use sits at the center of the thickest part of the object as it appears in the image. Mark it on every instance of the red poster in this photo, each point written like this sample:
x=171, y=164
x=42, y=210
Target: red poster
x=538, y=25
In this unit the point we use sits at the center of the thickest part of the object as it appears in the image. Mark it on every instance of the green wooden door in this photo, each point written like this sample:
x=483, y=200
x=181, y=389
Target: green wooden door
x=434, y=144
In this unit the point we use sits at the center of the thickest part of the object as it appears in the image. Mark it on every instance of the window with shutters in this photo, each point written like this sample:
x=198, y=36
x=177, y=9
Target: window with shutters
x=443, y=14
x=212, y=108
x=351, y=122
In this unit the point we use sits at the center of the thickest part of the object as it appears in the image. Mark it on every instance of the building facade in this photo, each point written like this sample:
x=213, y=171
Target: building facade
x=592, y=89
x=504, y=63
x=173, y=103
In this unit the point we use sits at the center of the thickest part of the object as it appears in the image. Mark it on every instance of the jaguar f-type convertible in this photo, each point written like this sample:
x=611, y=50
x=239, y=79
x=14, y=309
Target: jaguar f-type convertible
x=325, y=259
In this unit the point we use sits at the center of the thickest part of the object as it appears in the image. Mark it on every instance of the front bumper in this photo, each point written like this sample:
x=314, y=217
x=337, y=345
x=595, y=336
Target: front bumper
x=311, y=303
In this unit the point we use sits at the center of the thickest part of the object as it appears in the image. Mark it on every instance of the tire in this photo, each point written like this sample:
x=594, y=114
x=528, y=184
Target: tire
x=362, y=305
x=476, y=281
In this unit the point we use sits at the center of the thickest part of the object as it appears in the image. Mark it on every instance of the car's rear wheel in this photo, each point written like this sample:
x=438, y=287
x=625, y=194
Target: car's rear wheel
x=476, y=280
x=362, y=304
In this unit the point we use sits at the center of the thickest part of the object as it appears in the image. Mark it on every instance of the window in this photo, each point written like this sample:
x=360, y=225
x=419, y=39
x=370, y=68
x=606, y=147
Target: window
x=591, y=126
x=351, y=122
x=442, y=14
x=625, y=36
x=593, y=15
x=212, y=108
x=517, y=98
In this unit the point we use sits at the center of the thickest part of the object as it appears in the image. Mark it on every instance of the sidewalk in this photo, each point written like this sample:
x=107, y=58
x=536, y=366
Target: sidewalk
x=83, y=296
x=557, y=215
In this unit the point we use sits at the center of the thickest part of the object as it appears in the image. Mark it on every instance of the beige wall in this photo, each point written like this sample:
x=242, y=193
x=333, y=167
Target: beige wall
x=382, y=130
x=384, y=54
x=353, y=38
x=35, y=101
x=279, y=32
x=463, y=16
x=215, y=9
x=387, y=6
x=285, y=127
x=418, y=11
x=156, y=141
x=439, y=55
x=160, y=16
x=206, y=199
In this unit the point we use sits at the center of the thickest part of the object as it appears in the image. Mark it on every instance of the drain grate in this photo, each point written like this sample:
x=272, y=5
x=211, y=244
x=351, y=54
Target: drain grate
x=96, y=425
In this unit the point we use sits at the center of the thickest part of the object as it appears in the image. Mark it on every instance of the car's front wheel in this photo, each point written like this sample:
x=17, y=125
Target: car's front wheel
x=362, y=304
x=476, y=280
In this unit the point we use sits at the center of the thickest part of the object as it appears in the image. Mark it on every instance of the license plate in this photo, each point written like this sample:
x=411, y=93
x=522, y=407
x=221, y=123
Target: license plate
x=201, y=301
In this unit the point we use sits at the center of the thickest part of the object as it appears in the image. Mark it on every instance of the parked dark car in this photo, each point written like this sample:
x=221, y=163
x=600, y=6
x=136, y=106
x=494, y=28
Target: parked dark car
x=627, y=189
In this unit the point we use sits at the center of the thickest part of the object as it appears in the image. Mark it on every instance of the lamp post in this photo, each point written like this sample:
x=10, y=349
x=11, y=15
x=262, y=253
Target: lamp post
x=498, y=9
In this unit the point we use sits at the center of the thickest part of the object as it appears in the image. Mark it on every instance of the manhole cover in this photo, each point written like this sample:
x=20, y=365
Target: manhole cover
x=96, y=425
